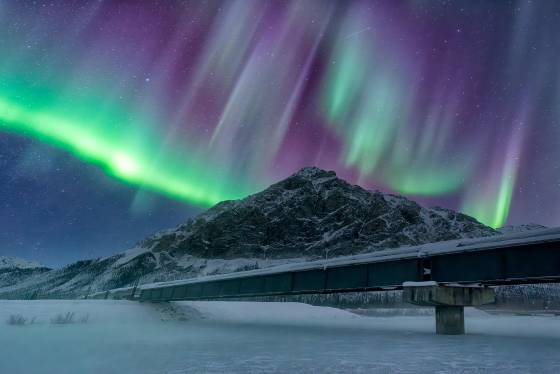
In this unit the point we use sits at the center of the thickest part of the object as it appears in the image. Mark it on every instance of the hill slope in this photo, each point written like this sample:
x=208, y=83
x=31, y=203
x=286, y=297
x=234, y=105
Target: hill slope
x=14, y=270
x=17, y=263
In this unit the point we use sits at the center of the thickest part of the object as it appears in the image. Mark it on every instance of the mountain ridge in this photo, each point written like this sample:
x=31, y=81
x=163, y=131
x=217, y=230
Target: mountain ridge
x=9, y=262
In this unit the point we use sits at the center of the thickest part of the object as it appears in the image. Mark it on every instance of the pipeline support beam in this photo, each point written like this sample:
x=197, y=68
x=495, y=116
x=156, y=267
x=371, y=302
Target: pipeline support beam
x=449, y=302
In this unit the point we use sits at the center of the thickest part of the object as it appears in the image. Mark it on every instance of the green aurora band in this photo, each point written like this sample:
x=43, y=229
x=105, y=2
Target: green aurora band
x=367, y=103
x=490, y=211
x=492, y=204
x=129, y=164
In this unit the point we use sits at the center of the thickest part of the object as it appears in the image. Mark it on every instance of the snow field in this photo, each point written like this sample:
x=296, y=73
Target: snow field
x=251, y=337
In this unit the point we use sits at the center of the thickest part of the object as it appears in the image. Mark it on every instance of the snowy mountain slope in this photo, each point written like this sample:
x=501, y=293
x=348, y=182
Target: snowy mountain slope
x=309, y=215
x=14, y=270
x=17, y=263
x=520, y=228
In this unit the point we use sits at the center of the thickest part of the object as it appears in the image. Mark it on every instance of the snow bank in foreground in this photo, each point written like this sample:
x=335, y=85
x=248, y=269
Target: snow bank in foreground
x=247, y=337
x=269, y=313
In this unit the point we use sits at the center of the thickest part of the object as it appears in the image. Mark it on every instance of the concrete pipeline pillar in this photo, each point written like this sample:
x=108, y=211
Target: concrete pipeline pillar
x=449, y=301
x=450, y=320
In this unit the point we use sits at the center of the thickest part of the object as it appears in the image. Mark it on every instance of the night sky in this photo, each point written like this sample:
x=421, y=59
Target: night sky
x=121, y=118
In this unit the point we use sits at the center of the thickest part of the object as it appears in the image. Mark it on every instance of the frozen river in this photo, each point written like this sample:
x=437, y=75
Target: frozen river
x=237, y=337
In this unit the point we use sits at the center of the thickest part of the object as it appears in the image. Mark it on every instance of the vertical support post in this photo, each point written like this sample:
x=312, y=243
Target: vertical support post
x=450, y=320
x=449, y=301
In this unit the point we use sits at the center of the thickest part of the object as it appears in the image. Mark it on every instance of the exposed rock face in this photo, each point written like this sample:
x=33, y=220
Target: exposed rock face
x=309, y=215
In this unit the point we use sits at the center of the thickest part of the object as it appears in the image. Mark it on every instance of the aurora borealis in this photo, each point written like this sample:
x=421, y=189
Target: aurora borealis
x=180, y=104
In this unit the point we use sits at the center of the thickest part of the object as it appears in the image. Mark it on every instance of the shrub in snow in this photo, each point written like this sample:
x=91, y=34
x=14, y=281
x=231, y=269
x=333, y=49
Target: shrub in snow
x=69, y=318
x=19, y=320
x=63, y=319
x=84, y=318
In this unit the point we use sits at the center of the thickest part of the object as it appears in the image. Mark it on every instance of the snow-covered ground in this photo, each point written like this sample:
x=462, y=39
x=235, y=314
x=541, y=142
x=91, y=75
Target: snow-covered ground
x=243, y=337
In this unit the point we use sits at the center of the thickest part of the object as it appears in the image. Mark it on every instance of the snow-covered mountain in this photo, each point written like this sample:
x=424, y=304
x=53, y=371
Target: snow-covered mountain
x=17, y=263
x=510, y=229
x=311, y=214
x=15, y=271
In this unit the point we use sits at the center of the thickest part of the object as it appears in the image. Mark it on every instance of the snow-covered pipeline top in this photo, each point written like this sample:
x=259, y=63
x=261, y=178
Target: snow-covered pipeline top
x=430, y=249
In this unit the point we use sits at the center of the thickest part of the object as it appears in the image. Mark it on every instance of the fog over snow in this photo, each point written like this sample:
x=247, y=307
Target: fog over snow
x=109, y=336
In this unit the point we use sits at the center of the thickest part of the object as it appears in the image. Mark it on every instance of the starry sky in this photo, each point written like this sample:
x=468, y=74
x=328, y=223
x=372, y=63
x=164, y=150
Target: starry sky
x=121, y=118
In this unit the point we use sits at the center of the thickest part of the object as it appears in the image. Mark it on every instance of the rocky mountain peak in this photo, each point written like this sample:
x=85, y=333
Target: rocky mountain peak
x=313, y=173
x=308, y=214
